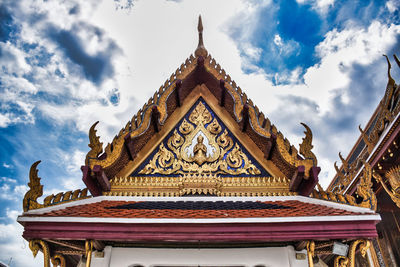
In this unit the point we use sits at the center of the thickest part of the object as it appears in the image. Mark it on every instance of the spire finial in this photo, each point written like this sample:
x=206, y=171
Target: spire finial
x=200, y=50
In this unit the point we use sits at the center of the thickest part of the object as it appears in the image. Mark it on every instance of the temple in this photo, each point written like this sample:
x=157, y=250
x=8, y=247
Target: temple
x=201, y=177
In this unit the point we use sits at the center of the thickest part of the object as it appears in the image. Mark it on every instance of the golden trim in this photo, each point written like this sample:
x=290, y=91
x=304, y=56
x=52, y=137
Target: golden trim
x=220, y=186
x=35, y=245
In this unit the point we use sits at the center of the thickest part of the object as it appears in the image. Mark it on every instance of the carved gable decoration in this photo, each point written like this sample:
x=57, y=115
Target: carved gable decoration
x=200, y=144
x=200, y=156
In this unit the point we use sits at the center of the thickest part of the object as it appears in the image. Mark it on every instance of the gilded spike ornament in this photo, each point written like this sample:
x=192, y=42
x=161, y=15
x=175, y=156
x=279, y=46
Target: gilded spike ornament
x=306, y=146
x=200, y=50
x=95, y=144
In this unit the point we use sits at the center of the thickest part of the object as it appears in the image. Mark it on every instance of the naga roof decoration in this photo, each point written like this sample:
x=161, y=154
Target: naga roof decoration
x=372, y=139
x=36, y=190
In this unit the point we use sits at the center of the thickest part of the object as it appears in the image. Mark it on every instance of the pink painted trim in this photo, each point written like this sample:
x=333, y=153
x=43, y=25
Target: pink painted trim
x=203, y=232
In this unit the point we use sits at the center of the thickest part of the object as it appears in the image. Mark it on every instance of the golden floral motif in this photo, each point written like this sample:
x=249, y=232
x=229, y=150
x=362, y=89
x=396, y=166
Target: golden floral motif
x=200, y=115
x=186, y=128
x=179, y=156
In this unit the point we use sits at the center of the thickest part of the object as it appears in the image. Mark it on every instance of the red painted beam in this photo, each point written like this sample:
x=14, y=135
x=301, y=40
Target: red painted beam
x=203, y=232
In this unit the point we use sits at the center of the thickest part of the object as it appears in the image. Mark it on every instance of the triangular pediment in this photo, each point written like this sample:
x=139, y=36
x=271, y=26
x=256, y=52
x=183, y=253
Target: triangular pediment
x=200, y=150
x=200, y=144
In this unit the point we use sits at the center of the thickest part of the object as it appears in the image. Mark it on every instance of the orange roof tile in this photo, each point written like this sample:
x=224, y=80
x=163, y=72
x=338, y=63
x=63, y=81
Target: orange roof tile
x=158, y=209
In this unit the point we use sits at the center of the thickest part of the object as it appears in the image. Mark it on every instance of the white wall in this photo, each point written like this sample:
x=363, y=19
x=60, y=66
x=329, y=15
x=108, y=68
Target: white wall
x=149, y=257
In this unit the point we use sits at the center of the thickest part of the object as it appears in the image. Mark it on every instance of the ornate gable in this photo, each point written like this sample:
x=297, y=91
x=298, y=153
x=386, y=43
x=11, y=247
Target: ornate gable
x=200, y=155
x=258, y=149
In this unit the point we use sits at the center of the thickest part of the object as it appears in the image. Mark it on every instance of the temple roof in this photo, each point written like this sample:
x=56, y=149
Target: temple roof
x=204, y=219
x=202, y=208
x=200, y=76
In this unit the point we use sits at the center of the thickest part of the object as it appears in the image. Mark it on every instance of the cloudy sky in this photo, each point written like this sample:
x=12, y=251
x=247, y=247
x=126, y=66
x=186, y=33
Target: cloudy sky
x=65, y=64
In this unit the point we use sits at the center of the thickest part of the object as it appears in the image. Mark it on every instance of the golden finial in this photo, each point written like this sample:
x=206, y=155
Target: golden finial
x=200, y=50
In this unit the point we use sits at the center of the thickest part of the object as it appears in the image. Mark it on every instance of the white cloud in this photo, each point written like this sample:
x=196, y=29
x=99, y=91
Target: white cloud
x=392, y=5
x=13, y=247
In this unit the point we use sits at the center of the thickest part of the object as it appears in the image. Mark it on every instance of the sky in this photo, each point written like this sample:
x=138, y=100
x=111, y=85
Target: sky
x=67, y=64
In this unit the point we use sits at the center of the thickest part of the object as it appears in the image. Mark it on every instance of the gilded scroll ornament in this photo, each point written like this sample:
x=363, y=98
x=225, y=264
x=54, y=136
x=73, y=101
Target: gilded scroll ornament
x=35, y=245
x=95, y=144
x=200, y=146
x=341, y=261
x=364, y=189
x=58, y=260
x=363, y=245
x=393, y=175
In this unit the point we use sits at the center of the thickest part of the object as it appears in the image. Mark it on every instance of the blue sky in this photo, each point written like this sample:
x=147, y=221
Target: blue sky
x=65, y=65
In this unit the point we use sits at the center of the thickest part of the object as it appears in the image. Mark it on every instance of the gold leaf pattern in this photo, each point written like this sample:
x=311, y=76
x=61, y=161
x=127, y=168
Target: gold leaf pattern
x=181, y=156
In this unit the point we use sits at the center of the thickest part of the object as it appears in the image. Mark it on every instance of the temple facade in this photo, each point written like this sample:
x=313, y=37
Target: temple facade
x=201, y=177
